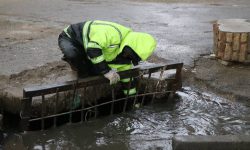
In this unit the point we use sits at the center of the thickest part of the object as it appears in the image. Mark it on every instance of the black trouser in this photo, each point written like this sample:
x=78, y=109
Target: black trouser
x=75, y=55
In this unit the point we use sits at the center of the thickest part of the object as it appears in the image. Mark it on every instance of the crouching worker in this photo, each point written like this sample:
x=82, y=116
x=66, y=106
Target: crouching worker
x=102, y=47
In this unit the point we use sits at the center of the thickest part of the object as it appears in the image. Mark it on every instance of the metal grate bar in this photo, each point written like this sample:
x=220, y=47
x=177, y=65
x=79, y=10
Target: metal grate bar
x=1, y=106
x=137, y=91
x=146, y=88
x=157, y=84
x=126, y=100
x=25, y=113
x=98, y=105
x=83, y=104
x=95, y=108
x=43, y=112
x=49, y=89
x=72, y=100
x=113, y=99
x=55, y=109
x=85, y=82
x=28, y=93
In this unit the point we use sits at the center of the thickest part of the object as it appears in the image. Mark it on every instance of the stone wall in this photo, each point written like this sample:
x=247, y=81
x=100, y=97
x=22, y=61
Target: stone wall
x=232, y=40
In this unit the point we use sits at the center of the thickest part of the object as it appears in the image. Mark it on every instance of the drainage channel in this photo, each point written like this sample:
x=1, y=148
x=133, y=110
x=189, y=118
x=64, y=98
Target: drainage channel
x=190, y=112
x=146, y=93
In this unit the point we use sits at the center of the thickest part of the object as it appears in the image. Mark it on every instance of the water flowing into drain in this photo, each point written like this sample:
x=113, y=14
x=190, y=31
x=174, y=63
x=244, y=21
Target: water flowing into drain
x=87, y=91
x=191, y=112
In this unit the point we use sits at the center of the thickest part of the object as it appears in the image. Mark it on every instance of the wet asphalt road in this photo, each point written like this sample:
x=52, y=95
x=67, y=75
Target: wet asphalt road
x=29, y=30
x=183, y=30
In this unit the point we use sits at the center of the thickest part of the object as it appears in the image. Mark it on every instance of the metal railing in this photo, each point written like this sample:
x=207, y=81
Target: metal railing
x=174, y=83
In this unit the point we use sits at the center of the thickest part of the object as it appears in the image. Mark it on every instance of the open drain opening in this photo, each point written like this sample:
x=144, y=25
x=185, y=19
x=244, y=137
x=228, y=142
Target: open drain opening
x=81, y=99
x=86, y=115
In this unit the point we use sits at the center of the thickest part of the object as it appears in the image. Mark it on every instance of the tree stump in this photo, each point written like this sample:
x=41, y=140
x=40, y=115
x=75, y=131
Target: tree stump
x=232, y=40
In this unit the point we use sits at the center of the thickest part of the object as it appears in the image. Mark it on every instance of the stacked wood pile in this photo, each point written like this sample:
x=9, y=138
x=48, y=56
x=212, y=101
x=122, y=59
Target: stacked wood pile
x=232, y=40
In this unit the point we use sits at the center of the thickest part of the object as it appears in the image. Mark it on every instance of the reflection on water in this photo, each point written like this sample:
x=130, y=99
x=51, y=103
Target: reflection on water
x=151, y=127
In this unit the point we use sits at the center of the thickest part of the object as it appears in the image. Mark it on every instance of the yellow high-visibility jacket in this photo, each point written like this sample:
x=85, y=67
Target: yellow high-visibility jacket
x=103, y=41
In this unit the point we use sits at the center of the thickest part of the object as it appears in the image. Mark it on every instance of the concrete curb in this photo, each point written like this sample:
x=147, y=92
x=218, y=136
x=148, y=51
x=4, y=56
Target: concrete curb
x=221, y=142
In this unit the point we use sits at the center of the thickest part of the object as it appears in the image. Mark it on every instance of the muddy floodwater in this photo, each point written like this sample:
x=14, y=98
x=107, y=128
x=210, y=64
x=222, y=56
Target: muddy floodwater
x=191, y=112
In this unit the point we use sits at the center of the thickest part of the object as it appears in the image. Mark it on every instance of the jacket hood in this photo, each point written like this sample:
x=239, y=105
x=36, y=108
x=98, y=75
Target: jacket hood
x=143, y=44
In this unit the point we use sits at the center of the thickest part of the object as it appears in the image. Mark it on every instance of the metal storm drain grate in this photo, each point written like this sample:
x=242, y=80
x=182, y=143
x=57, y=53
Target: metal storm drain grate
x=51, y=96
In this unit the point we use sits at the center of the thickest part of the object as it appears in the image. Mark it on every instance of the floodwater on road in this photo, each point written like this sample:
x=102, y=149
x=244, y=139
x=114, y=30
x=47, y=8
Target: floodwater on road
x=191, y=112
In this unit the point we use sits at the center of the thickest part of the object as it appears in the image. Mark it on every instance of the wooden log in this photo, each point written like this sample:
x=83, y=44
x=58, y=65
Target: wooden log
x=232, y=40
